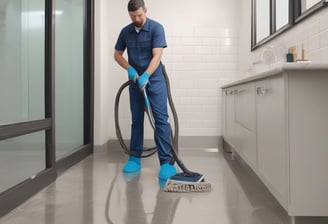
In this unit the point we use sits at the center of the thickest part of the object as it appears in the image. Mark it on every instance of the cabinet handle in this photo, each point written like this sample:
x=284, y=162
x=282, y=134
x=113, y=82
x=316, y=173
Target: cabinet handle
x=239, y=91
x=229, y=92
x=262, y=91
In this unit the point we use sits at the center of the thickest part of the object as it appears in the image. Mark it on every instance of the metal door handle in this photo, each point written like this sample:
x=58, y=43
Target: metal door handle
x=262, y=91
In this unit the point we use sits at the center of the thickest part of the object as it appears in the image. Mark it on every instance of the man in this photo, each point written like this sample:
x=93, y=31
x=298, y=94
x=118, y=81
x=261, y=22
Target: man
x=144, y=40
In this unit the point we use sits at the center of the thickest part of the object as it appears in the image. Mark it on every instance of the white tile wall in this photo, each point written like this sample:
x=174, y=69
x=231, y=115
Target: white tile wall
x=201, y=56
x=208, y=46
x=312, y=32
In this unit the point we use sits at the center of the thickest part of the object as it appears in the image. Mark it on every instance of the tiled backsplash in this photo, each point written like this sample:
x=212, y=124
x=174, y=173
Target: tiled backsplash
x=312, y=34
x=198, y=63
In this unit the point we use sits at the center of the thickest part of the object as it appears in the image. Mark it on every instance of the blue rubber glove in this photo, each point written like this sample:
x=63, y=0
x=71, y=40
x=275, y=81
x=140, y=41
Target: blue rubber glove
x=143, y=80
x=132, y=74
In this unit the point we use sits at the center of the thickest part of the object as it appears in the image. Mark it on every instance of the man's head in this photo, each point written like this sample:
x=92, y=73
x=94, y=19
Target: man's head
x=137, y=12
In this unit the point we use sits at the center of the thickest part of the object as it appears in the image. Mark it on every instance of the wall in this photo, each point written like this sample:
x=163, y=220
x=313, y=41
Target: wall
x=312, y=32
x=201, y=56
x=101, y=109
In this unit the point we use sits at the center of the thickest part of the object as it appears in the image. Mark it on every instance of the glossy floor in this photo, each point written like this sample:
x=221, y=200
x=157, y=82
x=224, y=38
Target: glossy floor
x=95, y=191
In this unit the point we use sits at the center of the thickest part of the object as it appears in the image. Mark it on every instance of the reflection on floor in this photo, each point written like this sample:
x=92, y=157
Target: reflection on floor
x=96, y=192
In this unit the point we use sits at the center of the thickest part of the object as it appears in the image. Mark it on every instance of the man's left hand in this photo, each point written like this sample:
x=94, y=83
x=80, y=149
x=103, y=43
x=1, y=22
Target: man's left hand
x=143, y=80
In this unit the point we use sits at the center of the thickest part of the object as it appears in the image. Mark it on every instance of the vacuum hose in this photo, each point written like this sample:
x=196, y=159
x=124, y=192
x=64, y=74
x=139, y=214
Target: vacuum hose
x=150, y=151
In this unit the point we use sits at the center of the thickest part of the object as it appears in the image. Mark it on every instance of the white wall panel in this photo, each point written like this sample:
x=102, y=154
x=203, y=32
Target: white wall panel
x=201, y=56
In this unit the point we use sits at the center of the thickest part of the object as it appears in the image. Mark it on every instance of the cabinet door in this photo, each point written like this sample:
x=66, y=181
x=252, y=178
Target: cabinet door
x=271, y=135
x=308, y=142
x=245, y=105
x=245, y=137
x=229, y=115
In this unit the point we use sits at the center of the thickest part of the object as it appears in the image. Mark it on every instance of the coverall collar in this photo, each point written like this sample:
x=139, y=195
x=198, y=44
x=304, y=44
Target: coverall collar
x=145, y=27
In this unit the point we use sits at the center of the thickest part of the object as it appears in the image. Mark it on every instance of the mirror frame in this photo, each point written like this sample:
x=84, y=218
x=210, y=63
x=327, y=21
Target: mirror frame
x=295, y=16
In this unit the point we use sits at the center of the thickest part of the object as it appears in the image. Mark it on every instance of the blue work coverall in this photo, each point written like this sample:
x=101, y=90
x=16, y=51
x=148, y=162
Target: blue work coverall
x=139, y=47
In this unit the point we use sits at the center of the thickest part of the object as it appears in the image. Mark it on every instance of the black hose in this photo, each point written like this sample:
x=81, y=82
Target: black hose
x=151, y=151
x=174, y=112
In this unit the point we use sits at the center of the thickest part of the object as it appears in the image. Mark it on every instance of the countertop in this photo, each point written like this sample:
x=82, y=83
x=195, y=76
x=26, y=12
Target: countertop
x=279, y=68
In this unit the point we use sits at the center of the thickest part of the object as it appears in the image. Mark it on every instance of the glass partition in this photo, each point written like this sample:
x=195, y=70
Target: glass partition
x=22, y=33
x=69, y=76
x=46, y=93
x=21, y=158
x=22, y=28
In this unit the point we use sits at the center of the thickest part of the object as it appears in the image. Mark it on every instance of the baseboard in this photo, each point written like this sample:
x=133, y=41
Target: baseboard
x=18, y=194
x=201, y=141
x=184, y=142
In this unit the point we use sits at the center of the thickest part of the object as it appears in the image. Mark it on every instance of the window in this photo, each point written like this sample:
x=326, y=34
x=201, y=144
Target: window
x=307, y=4
x=281, y=19
x=305, y=8
x=272, y=17
x=262, y=19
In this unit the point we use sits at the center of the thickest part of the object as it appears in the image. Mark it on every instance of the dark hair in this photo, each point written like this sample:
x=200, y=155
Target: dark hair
x=134, y=5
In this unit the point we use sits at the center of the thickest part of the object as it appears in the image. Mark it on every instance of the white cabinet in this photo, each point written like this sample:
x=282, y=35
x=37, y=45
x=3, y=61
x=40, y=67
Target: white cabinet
x=239, y=122
x=308, y=142
x=278, y=124
x=271, y=136
x=245, y=105
x=257, y=130
x=245, y=136
x=229, y=115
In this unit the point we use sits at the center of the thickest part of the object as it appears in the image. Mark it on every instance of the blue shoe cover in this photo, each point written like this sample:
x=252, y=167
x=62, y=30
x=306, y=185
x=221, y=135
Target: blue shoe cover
x=161, y=183
x=166, y=171
x=132, y=165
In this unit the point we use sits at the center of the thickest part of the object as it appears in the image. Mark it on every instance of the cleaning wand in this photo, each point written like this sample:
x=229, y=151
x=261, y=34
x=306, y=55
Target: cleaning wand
x=186, y=181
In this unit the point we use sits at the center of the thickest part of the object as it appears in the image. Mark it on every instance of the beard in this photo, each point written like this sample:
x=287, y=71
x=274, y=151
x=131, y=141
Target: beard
x=138, y=24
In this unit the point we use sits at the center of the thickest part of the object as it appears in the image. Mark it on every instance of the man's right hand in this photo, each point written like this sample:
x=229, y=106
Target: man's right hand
x=132, y=74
